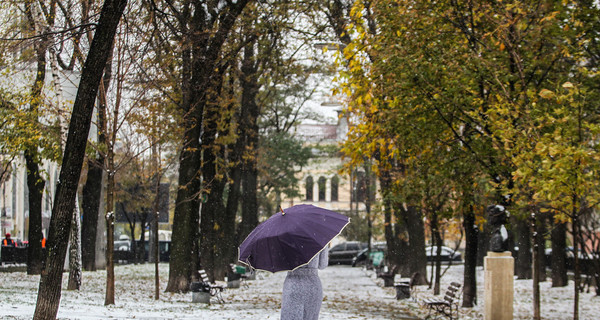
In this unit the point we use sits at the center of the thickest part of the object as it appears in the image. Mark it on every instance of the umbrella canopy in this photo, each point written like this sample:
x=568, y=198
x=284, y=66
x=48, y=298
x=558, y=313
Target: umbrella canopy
x=291, y=238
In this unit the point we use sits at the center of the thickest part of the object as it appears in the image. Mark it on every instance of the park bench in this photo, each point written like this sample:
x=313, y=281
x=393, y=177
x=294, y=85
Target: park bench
x=236, y=276
x=388, y=276
x=446, y=307
x=214, y=289
x=406, y=289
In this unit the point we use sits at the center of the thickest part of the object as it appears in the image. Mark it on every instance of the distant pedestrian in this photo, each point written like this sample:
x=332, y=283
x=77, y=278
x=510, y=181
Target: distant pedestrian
x=302, y=290
x=7, y=241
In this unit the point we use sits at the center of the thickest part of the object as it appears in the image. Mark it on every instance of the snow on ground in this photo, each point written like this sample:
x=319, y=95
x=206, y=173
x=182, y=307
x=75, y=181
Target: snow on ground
x=349, y=293
x=556, y=303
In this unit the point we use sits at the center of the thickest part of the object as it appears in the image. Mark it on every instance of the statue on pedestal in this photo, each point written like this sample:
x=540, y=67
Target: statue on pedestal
x=497, y=217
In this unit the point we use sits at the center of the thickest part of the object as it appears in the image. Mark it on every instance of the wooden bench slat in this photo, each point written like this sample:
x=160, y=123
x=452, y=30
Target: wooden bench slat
x=448, y=305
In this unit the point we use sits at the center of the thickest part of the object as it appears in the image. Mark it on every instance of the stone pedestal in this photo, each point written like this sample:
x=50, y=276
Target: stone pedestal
x=499, y=268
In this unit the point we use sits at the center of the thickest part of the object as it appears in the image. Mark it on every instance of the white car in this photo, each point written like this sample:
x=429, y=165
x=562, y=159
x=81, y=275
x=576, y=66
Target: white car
x=447, y=254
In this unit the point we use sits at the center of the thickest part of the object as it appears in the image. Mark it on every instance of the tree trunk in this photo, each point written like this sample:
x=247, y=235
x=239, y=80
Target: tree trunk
x=416, y=249
x=523, y=261
x=470, y=267
x=558, y=260
x=186, y=216
x=535, y=265
x=482, y=244
x=396, y=247
x=212, y=222
x=199, y=64
x=109, y=297
x=437, y=244
x=576, y=242
x=35, y=183
x=249, y=84
x=75, y=251
x=154, y=243
x=92, y=190
x=232, y=241
x=48, y=298
x=540, y=246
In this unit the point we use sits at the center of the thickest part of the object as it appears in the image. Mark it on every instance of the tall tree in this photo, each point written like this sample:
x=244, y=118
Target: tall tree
x=35, y=182
x=205, y=28
x=51, y=280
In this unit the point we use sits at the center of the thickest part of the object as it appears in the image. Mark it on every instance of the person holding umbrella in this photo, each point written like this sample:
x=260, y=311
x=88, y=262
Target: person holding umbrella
x=302, y=290
x=295, y=240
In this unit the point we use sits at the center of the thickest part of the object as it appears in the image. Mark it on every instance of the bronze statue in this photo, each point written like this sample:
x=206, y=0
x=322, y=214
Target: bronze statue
x=497, y=217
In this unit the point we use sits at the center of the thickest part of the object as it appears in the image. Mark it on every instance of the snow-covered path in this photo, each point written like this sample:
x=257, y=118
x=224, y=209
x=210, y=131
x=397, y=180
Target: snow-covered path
x=349, y=293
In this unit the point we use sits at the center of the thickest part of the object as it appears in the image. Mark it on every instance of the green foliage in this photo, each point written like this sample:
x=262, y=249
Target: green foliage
x=20, y=129
x=280, y=158
x=443, y=91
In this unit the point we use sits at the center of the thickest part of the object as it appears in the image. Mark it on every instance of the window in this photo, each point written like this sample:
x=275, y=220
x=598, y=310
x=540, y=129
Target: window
x=335, y=181
x=360, y=187
x=352, y=246
x=322, y=187
x=309, y=188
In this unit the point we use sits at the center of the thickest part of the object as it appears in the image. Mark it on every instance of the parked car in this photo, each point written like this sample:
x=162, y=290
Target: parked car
x=447, y=254
x=344, y=252
x=378, y=251
x=586, y=259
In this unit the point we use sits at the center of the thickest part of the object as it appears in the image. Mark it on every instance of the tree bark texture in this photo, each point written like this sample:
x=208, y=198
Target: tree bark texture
x=186, y=216
x=251, y=110
x=535, y=265
x=75, y=251
x=437, y=244
x=230, y=241
x=92, y=190
x=109, y=297
x=236, y=150
x=202, y=58
x=48, y=298
x=540, y=245
x=211, y=218
x=416, y=235
x=470, y=266
x=394, y=228
x=558, y=260
x=35, y=183
x=523, y=262
x=482, y=244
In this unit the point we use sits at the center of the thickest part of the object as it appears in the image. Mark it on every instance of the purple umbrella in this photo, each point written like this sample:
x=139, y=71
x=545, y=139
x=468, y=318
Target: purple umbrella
x=291, y=238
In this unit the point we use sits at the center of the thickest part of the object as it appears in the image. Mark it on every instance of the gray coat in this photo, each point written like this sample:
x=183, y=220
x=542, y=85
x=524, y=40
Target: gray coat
x=302, y=290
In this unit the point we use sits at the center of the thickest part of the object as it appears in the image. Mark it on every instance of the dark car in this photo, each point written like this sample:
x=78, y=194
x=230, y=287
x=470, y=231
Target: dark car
x=586, y=259
x=446, y=255
x=344, y=252
x=378, y=251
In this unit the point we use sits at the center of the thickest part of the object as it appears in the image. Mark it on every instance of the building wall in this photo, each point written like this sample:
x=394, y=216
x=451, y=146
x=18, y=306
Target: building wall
x=14, y=198
x=327, y=168
x=14, y=205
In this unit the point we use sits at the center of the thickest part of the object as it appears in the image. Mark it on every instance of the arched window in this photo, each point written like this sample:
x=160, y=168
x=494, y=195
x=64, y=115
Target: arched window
x=322, y=187
x=335, y=181
x=309, y=188
x=360, y=187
